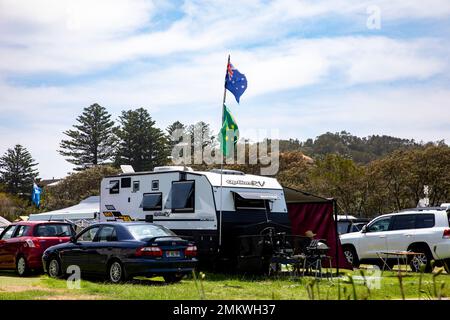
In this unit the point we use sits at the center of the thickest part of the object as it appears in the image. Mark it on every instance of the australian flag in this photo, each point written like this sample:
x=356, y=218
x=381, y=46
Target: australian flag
x=235, y=81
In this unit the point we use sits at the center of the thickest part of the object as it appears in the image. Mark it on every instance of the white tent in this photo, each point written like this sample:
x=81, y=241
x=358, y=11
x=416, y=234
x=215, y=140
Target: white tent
x=4, y=222
x=87, y=209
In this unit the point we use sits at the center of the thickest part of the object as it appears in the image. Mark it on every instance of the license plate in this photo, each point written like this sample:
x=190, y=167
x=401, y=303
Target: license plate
x=172, y=254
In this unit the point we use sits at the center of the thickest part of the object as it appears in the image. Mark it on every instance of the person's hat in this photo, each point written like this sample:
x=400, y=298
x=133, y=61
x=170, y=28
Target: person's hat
x=310, y=234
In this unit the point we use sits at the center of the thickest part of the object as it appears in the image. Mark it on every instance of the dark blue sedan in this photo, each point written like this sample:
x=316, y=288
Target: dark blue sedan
x=122, y=251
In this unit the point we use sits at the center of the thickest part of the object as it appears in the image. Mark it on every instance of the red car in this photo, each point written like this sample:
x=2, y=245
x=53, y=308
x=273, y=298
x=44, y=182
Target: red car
x=23, y=243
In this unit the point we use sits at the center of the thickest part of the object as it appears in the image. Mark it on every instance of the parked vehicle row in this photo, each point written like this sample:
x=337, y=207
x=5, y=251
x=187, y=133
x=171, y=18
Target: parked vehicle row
x=425, y=231
x=119, y=251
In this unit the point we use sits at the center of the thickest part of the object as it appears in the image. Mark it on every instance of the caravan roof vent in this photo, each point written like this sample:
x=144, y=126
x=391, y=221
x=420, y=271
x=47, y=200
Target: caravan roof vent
x=172, y=168
x=227, y=171
x=126, y=168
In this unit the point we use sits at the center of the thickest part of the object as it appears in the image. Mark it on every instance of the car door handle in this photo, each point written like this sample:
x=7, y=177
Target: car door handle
x=408, y=235
x=382, y=236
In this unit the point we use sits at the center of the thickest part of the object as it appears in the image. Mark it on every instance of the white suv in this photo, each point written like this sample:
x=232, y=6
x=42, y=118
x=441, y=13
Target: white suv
x=424, y=230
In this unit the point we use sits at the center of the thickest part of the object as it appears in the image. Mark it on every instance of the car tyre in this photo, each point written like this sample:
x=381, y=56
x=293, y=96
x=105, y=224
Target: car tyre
x=22, y=266
x=54, y=268
x=116, y=272
x=351, y=256
x=447, y=265
x=425, y=258
x=172, y=278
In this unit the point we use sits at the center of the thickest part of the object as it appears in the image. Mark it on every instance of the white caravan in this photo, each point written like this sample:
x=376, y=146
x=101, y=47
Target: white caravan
x=222, y=212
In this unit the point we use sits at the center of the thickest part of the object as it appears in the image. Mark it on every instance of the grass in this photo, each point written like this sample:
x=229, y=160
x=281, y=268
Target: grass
x=232, y=287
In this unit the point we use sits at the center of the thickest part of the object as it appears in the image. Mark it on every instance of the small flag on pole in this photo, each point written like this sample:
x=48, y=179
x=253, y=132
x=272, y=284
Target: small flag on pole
x=229, y=132
x=36, y=195
x=235, y=81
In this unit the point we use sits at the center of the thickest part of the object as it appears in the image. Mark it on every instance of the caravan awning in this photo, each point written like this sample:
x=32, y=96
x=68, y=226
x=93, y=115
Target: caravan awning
x=297, y=196
x=256, y=195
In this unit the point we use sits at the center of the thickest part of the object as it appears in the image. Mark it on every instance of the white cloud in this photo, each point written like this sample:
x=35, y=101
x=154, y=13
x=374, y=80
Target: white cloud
x=77, y=37
x=198, y=79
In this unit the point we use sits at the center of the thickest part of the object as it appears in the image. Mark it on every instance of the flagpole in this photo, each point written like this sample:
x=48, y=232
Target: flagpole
x=221, y=162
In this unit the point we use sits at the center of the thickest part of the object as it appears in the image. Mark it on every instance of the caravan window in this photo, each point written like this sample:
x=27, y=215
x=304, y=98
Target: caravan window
x=182, y=196
x=135, y=186
x=151, y=201
x=125, y=182
x=250, y=204
x=114, y=187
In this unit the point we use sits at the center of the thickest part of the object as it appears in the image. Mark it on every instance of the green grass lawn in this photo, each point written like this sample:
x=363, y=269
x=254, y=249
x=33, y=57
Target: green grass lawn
x=232, y=287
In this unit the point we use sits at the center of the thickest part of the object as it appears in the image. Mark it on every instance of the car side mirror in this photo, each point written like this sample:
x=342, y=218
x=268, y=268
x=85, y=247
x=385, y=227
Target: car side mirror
x=364, y=229
x=73, y=239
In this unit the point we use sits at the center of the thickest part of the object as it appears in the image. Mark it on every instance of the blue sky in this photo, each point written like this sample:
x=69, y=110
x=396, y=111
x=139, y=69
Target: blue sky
x=312, y=67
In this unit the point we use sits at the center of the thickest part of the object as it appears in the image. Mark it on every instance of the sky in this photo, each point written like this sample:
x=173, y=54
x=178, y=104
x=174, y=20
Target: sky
x=367, y=67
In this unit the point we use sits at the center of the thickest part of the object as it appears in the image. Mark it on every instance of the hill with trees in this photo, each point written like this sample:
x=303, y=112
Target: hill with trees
x=360, y=149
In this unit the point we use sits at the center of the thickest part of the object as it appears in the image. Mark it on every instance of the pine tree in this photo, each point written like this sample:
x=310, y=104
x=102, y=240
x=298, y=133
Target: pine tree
x=174, y=126
x=141, y=144
x=201, y=136
x=177, y=125
x=92, y=142
x=17, y=170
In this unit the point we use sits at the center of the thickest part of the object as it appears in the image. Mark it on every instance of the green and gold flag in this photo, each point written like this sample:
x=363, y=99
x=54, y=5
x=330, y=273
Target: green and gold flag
x=229, y=134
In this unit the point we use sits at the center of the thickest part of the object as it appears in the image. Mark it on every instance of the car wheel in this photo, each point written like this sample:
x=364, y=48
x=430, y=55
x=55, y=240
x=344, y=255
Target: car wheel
x=116, y=273
x=351, y=256
x=54, y=268
x=422, y=258
x=447, y=265
x=172, y=278
x=22, y=267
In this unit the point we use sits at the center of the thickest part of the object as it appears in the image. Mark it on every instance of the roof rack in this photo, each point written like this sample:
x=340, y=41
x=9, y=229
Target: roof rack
x=426, y=209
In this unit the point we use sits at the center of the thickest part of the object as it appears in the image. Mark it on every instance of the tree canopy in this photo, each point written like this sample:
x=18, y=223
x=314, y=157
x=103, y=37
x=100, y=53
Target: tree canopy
x=17, y=170
x=92, y=141
x=141, y=143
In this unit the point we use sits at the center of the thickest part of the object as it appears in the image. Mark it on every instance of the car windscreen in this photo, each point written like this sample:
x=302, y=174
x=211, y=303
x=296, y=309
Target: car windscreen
x=143, y=231
x=53, y=230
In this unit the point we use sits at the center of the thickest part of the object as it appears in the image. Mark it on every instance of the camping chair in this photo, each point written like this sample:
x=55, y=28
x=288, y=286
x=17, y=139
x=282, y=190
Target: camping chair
x=316, y=252
x=282, y=253
x=300, y=251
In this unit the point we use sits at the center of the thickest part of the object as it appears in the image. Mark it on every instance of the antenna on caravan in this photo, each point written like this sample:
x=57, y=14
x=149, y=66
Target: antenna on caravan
x=126, y=168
